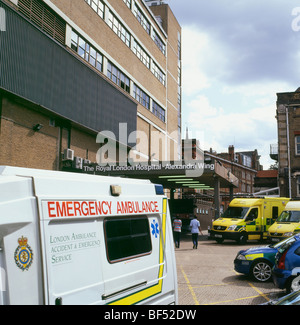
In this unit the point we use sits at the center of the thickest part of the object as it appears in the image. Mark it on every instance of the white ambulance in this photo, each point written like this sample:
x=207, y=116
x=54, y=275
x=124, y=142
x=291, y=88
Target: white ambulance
x=82, y=239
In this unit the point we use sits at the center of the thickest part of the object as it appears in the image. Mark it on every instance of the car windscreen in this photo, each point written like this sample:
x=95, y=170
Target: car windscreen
x=281, y=243
x=287, y=244
x=289, y=216
x=235, y=212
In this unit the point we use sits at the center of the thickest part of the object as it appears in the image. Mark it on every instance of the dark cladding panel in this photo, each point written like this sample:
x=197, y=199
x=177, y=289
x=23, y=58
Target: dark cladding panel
x=37, y=68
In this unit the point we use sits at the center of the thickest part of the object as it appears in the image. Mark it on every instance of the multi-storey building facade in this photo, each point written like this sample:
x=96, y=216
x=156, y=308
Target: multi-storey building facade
x=288, y=157
x=71, y=69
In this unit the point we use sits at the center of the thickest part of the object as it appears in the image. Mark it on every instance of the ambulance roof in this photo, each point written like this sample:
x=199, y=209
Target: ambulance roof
x=293, y=205
x=249, y=202
x=30, y=172
x=65, y=184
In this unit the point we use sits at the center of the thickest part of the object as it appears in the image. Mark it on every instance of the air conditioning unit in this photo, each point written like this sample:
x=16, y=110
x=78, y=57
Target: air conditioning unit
x=68, y=155
x=77, y=163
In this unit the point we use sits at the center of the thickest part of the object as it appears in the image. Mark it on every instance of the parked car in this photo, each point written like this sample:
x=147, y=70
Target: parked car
x=287, y=265
x=257, y=261
x=290, y=299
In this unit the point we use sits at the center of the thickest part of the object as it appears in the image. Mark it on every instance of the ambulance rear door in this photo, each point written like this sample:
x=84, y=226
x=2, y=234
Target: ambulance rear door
x=72, y=261
x=70, y=240
x=135, y=268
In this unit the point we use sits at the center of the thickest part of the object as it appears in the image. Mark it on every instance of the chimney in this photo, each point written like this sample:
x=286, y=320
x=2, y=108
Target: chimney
x=231, y=153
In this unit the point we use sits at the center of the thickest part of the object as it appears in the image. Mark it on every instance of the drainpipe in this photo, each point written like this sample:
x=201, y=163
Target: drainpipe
x=288, y=149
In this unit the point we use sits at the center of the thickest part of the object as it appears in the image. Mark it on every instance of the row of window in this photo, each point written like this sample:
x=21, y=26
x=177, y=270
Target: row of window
x=120, y=30
x=159, y=111
x=98, y=6
x=142, y=55
x=158, y=73
x=88, y=53
x=146, y=25
x=144, y=99
x=157, y=40
x=118, y=77
x=142, y=19
x=141, y=96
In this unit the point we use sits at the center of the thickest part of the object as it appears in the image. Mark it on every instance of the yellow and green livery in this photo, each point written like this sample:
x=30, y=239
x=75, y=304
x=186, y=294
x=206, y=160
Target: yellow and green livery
x=247, y=219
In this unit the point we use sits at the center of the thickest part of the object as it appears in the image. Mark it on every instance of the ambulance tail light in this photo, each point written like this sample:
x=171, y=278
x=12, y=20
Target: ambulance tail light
x=281, y=262
x=159, y=189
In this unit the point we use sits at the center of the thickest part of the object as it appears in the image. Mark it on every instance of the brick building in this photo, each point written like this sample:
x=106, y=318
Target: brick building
x=244, y=165
x=288, y=157
x=71, y=69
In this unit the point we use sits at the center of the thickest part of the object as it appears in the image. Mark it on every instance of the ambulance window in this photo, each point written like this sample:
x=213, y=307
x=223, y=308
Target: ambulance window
x=127, y=238
x=275, y=212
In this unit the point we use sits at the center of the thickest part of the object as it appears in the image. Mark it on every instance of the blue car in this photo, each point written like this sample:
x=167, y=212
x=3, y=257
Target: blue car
x=286, y=273
x=257, y=262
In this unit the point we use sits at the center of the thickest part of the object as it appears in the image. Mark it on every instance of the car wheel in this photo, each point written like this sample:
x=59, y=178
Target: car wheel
x=293, y=284
x=219, y=240
x=261, y=271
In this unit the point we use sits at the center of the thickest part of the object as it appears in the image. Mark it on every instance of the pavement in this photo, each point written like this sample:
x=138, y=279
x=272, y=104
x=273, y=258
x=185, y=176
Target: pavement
x=206, y=275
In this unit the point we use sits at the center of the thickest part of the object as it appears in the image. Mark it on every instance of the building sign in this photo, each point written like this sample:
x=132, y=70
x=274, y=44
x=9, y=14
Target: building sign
x=193, y=169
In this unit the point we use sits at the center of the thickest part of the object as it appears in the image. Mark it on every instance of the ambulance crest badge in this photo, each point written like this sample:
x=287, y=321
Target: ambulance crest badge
x=23, y=254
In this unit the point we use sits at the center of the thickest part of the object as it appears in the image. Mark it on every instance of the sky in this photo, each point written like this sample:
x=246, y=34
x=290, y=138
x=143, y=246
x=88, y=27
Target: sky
x=236, y=56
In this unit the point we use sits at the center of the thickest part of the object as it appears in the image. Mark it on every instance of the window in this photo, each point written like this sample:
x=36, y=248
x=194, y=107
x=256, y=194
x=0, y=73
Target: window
x=275, y=212
x=297, y=251
x=118, y=77
x=97, y=6
x=158, y=73
x=141, y=97
x=159, y=111
x=127, y=238
x=119, y=29
x=141, y=54
x=247, y=161
x=86, y=51
x=128, y=3
x=141, y=18
x=297, y=144
x=157, y=40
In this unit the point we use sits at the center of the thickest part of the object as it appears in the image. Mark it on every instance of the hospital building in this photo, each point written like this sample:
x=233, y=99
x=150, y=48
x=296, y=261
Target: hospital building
x=72, y=69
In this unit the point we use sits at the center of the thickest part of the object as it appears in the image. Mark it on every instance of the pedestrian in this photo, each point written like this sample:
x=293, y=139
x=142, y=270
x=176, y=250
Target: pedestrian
x=195, y=229
x=177, y=224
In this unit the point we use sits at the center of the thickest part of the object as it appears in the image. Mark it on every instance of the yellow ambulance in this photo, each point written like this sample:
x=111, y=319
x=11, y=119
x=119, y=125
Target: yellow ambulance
x=287, y=224
x=247, y=219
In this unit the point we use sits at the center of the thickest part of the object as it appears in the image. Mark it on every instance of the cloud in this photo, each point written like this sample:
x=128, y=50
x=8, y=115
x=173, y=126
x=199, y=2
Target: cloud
x=255, y=38
x=246, y=130
x=236, y=56
x=193, y=44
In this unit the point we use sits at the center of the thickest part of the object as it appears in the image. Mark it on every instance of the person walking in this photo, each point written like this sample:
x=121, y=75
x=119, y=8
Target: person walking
x=195, y=229
x=177, y=224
